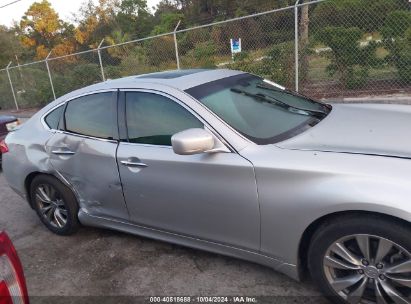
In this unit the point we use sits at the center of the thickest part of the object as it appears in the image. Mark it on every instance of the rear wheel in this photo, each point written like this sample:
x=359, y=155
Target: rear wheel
x=363, y=260
x=55, y=204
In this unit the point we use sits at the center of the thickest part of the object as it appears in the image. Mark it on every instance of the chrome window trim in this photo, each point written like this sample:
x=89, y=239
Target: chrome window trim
x=86, y=136
x=186, y=107
x=126, y=143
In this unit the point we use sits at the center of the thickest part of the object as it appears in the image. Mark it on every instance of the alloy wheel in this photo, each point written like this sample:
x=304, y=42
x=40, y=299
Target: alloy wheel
x=51, y=205
x=369, y=269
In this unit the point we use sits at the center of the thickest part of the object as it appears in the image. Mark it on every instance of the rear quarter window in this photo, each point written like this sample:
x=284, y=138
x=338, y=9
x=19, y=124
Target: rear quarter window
x=52, y=119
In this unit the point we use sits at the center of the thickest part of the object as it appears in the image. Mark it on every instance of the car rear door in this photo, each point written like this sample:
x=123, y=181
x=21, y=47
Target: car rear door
x=83, y=152
x=211, y=196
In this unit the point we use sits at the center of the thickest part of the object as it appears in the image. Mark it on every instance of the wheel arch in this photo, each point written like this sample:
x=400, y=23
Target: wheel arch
x=29, y=179
x=315, y=225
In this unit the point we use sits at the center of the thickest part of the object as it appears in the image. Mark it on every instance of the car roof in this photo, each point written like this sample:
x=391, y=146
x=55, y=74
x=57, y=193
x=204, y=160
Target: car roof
x=179, y=79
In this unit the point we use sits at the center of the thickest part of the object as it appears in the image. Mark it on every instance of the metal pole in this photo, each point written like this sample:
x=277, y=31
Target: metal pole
x=48, y=71
x=176, y=44
x=101, y=61
x=11, y=86
x=296, y=44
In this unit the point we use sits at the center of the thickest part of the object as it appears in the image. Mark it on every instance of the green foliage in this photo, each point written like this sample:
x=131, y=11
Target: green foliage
x=160, y=50
x=277, y=65
x=397, y=39
x=367, y=15
x=6, y=97
x=34, y=88
x=396, y=24
x=167, y=23
x=85, y=74
x=204, y=52
x=9, y=47
x=203, y=55
x=349, y=59
x=134, y=17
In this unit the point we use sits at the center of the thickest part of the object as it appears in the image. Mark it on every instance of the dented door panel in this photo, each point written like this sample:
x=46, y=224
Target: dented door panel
x=90, y=166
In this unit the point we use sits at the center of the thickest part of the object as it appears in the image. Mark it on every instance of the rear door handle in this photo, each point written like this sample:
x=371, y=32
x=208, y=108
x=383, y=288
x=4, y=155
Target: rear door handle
x=63, y=152
x=133, y=164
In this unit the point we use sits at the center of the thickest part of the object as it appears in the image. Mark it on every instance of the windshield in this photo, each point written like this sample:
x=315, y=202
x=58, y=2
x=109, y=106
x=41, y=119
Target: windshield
x=262, y=111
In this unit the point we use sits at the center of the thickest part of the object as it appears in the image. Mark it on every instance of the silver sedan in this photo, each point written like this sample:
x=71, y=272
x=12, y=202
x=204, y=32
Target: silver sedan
x=232, y=163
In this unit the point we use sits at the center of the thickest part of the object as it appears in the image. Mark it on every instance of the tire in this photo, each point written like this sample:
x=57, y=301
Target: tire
x=376, y=274
x=62, y=216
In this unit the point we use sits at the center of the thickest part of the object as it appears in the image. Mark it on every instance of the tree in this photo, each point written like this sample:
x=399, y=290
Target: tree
x=167, y=23
x=396, y=34
x=9, y=48
x=41, y=30
x=96, y=22
x=118, y=37
x=134, y=18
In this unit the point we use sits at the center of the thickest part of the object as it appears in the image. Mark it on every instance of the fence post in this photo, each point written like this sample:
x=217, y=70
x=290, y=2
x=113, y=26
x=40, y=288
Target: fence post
x=11, y=86
x=101, y=61
x=176, y=44
x=296, y=44
x=48, y=71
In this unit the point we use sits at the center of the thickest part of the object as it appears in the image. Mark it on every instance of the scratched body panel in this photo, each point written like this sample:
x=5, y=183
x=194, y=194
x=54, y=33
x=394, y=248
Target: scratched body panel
x=92, y=171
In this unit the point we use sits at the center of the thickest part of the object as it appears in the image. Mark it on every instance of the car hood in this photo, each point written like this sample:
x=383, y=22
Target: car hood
x=362, y=129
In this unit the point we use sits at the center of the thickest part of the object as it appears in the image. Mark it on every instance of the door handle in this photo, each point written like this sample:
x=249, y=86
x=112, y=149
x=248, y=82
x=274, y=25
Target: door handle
x=133, y=164
x=63, y=152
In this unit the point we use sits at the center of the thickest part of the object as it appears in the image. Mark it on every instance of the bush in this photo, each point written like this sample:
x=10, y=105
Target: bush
x=350, y=61
x=368, y=15
x=160, y=50
x=277, y=65
x=397, y=39
x=6, y=97
x=85, y=74
x=203, y=55
x=34, y=89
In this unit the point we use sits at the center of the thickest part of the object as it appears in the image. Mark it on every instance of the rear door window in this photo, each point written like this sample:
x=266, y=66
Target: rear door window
x=92, y=115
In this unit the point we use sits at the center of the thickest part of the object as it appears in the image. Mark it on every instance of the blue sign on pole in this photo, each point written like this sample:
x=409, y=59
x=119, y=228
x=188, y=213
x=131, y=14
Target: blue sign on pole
x=235, y=45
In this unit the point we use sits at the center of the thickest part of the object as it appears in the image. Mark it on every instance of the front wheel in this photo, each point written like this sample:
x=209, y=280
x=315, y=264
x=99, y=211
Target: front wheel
x=363, y=260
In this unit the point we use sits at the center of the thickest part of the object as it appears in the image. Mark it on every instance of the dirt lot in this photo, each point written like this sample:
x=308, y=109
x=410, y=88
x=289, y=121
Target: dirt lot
x=102, y=266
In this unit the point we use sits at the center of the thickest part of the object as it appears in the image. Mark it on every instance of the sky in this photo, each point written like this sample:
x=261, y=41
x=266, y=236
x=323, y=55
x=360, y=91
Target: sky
x=65, y=9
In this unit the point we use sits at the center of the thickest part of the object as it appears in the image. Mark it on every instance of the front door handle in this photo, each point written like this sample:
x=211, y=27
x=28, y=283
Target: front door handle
x=63, y=152
x=133, y=164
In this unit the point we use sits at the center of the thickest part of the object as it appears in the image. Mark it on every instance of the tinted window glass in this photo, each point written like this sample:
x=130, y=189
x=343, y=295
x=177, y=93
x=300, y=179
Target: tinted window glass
x=53, y=118
x=153, y=119
x=258, y=109
x=92, y=115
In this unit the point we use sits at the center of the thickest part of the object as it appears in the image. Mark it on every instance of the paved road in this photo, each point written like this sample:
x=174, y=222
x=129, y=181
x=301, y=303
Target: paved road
x=98, y=262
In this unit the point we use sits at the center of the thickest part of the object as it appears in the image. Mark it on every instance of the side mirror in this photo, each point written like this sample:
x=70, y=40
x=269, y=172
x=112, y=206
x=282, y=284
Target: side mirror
x=192, y=141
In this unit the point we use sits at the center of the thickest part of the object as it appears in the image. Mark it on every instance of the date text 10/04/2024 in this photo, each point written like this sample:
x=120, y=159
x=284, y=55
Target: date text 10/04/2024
x=203, y=299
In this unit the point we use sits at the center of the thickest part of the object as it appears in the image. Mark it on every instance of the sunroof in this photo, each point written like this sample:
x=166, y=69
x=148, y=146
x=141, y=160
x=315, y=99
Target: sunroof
x=172, y=74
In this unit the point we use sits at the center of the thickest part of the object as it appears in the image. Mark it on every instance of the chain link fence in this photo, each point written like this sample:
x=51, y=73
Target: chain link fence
x=323, y=48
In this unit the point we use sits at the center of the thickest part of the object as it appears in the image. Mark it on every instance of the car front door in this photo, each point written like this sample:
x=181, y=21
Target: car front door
x=211, y=196
x=83, y=152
